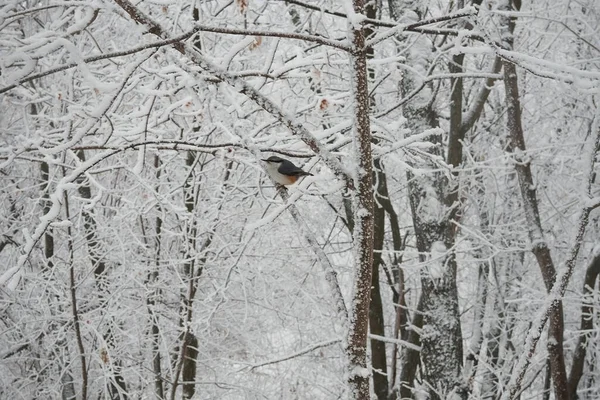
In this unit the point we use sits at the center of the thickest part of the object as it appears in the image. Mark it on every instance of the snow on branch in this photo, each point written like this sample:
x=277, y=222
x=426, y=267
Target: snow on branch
x=11, y=278
x=399, y=342
x=417, y=27
x=414, y=139
x=558, y=290
x=399, y=28
x=161, y=144
x=242, y=87
x=586, y=80
x=99, y=57
x=286, y=35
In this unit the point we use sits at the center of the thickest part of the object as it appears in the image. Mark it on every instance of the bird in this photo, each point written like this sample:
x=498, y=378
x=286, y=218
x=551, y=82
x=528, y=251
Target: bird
x=282, y=171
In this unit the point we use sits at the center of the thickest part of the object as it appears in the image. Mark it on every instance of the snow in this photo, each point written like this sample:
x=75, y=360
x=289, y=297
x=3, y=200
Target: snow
x=362, y=213
x=356, y=20
x=11, y=278
x=61, y=224
x=360, y=371
x=592, y=202
x=263, y=271
x=430, y=209
x=139, y=164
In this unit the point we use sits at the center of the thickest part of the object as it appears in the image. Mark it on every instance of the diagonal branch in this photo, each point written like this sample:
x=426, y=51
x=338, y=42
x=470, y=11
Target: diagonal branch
x=330, y=274
x=99, y=57
x=558, y=290
x=244, y=88
x=298, y=353
x=472, y=115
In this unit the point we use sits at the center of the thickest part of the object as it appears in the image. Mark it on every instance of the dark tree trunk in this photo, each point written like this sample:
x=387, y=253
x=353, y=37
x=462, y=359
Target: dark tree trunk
x=155, y=333
x=376, y=320
x=358, y=375
x=586, y=325
x=536, y=235
x=410, y=356
x=67, y=381
x=376, y=317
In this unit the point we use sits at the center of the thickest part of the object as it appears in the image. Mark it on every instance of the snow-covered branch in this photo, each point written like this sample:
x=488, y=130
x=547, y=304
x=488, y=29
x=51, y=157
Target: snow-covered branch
x=98, y=57
x=286, y=35
x=558, y=290
x=295, y=126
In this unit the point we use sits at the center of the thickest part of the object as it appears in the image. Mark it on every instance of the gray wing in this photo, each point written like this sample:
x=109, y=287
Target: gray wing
x=288, y=168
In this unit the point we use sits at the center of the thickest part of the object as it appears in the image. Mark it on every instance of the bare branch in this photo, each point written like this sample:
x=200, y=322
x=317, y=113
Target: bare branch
x=287, y=35
x=400, y=342
x=476, y=108
x=298, y=353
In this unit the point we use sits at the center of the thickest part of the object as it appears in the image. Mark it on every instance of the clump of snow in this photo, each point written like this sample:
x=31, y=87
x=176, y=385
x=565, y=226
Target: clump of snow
x=61, y=224
x=436, y=265
x=11, y=278
x=356, y=20
x=360, y=371
x=430, y=209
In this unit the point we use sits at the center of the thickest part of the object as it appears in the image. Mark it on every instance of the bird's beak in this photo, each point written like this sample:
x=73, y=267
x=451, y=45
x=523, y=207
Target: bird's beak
x=264, y=160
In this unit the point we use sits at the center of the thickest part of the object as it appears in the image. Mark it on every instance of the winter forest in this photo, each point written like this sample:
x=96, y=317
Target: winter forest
x=446, y=245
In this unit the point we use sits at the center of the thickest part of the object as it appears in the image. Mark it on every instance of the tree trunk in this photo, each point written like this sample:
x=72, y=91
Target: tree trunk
x=410, y=356
x=540, y=247
x=358, y=374
x=586, y=325
x=152, y=277
x=433, y=207
x=376, y=319
x=187, y=350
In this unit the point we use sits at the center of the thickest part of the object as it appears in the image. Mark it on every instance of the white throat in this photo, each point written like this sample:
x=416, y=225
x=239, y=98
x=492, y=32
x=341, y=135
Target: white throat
x=272, y=170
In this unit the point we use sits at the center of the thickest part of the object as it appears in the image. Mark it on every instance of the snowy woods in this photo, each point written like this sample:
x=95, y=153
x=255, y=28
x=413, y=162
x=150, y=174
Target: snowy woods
x=446, y=247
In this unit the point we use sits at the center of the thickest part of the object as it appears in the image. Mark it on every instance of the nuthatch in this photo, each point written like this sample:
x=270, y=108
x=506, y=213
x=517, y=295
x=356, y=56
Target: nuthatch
x=283, y=171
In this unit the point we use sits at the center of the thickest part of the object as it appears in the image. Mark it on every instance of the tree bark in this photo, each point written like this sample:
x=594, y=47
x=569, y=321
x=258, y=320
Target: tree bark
x=540, y=247
x=152, y=277
x=358, y=374
x=410, y=356
x=376, y=319
x=187, y=351
x=433, y=202
x=376, y=316
x=586, y=325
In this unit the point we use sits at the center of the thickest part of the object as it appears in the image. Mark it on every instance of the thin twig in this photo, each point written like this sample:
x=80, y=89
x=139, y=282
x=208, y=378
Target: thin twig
x=558, y=290
x=99, y=57
x=298, y=354
x=242, y=87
